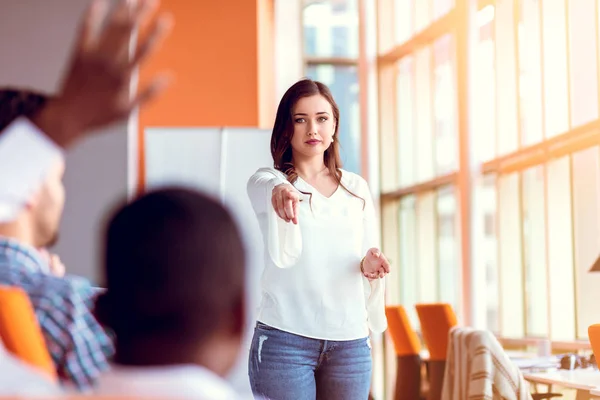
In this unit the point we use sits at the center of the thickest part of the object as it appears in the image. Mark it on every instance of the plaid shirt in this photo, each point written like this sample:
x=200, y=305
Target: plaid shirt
x=79, y=346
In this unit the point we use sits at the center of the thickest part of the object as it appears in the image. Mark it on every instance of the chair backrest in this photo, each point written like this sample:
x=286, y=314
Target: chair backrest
x=406, y=341
x=594, y=335
x=20, y=331
x=478, y=367
x=436, y=321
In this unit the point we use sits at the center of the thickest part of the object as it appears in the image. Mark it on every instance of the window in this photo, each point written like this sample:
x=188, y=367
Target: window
x=448, y=273
x=548, y=158
x=534, y=228
x=515, y=219
x=419, y=90
x=343, y=82
x=485, y=254
x=331, y=56
x=331, y=28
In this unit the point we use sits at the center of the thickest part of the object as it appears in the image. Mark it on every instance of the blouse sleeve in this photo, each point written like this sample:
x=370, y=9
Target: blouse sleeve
x=374, y=289
x=284, y=239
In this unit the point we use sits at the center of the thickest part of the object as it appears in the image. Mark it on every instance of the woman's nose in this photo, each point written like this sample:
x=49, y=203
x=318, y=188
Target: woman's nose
x=312, y=129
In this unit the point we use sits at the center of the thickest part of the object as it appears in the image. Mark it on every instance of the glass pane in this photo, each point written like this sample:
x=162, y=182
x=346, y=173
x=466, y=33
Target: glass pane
x=484, y=106
x=485, y=255
x=331, y=29
x=424, y=115
x=586, y=213
x=343, y=82
x=583, y=48
x=534, y=252
x=441, y=7
x=530, y=63
x=448, y=247
x=422, y=14
x=560, y=251
x=510, y=263
x=444, y=106
x=508, y=134
x=556, y=95
x=403, y=26
x=408, y=257
x=405, y=120
x=426, y=223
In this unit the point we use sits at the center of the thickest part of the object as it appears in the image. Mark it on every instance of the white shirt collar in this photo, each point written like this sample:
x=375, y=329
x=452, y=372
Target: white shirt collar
x=182, y=381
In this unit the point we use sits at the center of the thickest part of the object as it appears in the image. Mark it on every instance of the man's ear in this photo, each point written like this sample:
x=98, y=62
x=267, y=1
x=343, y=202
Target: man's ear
x=33, y=200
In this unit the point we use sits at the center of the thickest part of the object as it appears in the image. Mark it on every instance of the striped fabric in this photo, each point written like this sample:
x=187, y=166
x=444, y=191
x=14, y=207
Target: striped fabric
x=477, y=368
x=79, y=346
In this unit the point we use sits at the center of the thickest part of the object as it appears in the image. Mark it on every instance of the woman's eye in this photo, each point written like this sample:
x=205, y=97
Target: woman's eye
x=322, y=119
x=299, y=120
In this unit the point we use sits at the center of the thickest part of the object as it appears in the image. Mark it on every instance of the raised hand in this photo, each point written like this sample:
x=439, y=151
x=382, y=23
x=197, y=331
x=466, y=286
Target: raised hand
x=375, y=264
x=285, y=201
x=96, y=88
x=57, y=268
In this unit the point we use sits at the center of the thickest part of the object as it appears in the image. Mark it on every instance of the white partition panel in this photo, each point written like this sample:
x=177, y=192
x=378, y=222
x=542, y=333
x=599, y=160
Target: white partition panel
x=219, y=161
x=185, y=156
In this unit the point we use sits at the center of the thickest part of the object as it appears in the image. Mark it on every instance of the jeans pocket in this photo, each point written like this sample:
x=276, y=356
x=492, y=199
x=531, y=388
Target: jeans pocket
x=264, y=327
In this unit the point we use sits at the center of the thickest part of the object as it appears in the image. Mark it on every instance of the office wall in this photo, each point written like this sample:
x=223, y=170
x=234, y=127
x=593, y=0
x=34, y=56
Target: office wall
x=37, y=39
x=221, y=57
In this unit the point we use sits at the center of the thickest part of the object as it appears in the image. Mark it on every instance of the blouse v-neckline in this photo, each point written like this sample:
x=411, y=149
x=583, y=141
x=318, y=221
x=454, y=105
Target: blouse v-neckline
x=315, y=190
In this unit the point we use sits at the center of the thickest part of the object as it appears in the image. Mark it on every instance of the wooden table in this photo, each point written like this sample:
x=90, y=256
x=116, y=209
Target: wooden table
x=586, y=382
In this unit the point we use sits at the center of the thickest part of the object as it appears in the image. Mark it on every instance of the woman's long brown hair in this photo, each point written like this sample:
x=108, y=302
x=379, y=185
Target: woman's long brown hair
x=283, y=130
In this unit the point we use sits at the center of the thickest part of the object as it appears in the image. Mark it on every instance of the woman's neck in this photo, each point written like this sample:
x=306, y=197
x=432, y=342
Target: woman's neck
x=309, y=168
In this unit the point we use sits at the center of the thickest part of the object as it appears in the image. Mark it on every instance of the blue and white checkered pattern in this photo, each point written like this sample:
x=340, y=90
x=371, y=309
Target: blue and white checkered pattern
x=79, y=346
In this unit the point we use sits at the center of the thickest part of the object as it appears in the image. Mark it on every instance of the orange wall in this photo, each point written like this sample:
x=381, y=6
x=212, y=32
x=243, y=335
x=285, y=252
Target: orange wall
x=223, y=77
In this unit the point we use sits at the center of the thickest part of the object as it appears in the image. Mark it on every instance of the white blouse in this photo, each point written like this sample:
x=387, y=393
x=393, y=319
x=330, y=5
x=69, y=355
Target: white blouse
x=312, y=285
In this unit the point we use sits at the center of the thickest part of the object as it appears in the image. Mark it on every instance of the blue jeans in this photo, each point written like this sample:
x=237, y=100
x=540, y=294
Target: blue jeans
x=285, y=366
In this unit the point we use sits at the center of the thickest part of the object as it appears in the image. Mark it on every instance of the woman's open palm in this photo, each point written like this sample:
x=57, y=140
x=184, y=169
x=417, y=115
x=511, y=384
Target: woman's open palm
x=375, y=264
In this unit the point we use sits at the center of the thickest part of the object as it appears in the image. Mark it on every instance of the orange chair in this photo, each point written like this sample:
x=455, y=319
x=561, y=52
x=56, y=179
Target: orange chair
x=436, y=321
x=594, y=335
x=408, y=348
x=20, y=331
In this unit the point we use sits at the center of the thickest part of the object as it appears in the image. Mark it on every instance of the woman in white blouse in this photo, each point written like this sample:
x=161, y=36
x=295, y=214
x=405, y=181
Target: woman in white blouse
x=323, y=283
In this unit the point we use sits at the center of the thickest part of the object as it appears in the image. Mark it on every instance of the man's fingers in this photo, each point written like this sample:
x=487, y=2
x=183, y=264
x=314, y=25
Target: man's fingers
x=114, y=41
x=92, y=20
x=145, y=8
x=155, y=88
x=122, y=23
x=151, y=42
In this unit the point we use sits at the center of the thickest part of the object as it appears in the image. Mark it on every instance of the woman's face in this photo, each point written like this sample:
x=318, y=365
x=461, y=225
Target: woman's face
x=314, y=126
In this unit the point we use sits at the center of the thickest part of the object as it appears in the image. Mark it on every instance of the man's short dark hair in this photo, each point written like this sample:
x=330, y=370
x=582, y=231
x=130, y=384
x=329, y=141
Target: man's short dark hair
x=174, y=268
x=15, y=103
